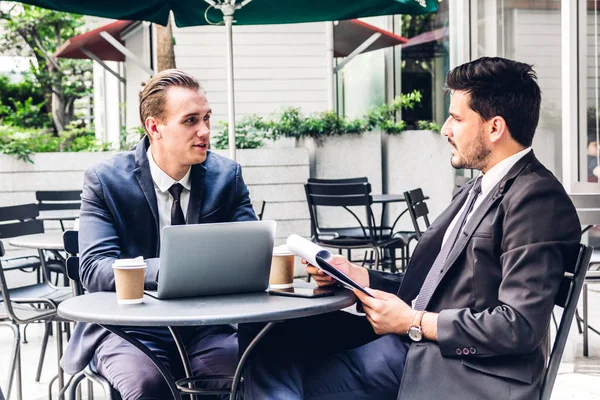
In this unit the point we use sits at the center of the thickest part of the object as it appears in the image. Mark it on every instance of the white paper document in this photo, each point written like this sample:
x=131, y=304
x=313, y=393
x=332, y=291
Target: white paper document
x=319, y=257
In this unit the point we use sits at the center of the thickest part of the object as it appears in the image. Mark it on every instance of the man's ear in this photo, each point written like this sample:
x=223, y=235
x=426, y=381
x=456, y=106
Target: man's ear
x=497, y=129
x=151, y=125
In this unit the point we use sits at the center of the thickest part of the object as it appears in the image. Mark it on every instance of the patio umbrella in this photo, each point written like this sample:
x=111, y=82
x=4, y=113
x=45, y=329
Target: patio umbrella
x=246, y=12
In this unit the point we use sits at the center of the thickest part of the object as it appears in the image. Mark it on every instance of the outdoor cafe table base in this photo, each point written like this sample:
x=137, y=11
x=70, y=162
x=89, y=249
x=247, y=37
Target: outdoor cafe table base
x=101, y=308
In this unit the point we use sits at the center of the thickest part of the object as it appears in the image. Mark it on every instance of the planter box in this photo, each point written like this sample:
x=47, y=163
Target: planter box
x=418, y=159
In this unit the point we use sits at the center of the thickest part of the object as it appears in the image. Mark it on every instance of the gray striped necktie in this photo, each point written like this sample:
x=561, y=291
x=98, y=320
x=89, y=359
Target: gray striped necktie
x=437, y=268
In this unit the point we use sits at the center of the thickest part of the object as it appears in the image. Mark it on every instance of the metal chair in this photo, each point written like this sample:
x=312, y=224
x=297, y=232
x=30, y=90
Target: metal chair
x=52, y=200
x=16, y=309
x=588, y=210
x=366, y=236
x=71, y=241
x=18, y=221
x=566, y=298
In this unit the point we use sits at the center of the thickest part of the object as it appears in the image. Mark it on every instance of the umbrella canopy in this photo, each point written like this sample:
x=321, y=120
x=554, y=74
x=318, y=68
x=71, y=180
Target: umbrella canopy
x=256, y=12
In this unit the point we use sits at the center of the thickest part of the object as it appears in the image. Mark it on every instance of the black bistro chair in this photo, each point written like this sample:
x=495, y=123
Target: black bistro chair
x=18, y=307
x=566, y=298
x=71, y=242
x=58, y=200
x=367, y=235
x=587, y=205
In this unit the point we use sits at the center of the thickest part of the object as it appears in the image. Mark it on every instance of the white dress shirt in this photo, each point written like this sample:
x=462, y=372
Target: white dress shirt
x=488, y=181
x=164, y=200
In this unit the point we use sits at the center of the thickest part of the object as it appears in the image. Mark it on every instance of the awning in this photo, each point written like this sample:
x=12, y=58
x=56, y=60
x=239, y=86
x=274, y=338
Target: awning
x=427, y=37
x=350, y=34
x=95, y=43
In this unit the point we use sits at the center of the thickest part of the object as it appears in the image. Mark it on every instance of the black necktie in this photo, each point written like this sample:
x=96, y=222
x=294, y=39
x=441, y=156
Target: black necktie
x=437, y=268
x=176, y=211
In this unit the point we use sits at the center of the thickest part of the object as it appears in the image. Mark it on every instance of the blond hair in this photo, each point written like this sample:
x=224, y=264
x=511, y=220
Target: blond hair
x=152, y=96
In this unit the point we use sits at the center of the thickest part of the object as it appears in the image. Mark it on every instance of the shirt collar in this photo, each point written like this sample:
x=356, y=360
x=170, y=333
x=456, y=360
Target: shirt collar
x=160, y=177
x=498, y=171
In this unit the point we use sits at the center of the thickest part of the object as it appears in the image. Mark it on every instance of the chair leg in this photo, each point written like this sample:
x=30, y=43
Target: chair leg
x=59, y=352
x=72, y=392
x=43, y=352
x=585, y=321
x=15, y=365
x=393, y=260
x=578, y=319
x=25, y=333
x=90, y=389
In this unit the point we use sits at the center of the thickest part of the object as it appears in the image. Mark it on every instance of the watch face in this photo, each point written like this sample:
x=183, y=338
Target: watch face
x=415, y=334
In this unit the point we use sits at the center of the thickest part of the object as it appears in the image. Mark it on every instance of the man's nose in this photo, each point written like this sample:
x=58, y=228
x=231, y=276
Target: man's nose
x=204, y=130
x=446, y=129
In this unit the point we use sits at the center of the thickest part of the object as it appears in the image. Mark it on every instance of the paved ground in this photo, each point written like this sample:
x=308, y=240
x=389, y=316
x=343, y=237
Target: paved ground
x=578, y=379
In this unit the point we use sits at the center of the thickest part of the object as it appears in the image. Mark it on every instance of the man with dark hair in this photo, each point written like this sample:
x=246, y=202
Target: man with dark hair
x=169, y=178
x=470, y=318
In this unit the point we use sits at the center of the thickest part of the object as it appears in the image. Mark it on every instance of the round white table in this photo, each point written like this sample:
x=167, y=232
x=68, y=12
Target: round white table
x=40, y=241
x=102, y=308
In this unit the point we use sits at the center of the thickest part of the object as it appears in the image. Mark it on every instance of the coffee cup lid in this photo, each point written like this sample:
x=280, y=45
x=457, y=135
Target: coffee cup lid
x=282, y=250
x=124, y=263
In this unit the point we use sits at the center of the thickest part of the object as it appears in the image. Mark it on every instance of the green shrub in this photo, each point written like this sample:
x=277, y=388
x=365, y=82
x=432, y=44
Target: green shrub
x=252, y=131
x=429, y=126
x=23, y=142
x=22, y=103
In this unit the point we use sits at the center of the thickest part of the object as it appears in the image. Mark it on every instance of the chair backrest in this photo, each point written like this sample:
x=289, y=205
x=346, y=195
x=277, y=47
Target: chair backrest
x=71, y=242
x=361, y=179
x=58, y=199
x=19, y=220
x=417, y=208
x=566, y=298
x=259, y=208
x=340, y=195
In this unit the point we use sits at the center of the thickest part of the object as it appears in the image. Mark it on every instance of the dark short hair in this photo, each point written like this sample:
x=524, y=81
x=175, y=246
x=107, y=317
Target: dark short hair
x=501, y=87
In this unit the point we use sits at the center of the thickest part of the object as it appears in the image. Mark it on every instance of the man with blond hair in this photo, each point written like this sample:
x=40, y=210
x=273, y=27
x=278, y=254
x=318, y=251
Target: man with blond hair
x=169, y=178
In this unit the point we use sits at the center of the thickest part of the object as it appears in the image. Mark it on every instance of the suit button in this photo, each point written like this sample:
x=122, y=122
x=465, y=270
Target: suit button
x=472, y=350
x=459, y=351
x=465, y=351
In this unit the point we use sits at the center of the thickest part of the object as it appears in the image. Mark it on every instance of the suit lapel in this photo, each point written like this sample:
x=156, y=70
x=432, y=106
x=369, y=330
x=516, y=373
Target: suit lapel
x=427, y=249
x=198, y=178
x=144, y=179
x=492, y=198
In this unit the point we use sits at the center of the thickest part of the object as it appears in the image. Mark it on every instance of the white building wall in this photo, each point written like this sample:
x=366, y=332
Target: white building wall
x=274, y=66
x=536, y=38
x=106, y=103
x=137, y=41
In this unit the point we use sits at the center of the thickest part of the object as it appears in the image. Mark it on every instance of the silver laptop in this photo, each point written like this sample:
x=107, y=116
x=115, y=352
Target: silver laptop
x=211, y=259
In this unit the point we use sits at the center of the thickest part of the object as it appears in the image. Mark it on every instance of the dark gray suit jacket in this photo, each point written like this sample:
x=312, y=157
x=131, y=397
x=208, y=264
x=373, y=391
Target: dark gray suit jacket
x=496, y=296
x=119, y=219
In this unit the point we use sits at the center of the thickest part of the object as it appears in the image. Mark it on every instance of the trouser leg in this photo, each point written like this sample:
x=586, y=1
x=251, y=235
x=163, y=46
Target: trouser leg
x=332, y=356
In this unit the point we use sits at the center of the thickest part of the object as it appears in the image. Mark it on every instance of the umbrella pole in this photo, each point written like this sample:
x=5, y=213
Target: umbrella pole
x=228, y=19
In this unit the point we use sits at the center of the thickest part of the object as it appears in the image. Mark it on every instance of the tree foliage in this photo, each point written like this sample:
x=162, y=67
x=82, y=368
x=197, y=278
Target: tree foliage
x=37, y=32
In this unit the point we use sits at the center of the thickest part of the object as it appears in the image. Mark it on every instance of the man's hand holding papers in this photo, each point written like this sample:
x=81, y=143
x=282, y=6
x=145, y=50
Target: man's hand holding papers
x=347, y=274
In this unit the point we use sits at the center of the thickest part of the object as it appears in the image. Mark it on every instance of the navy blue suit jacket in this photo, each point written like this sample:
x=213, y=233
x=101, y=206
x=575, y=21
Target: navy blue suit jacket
x=119, y=219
